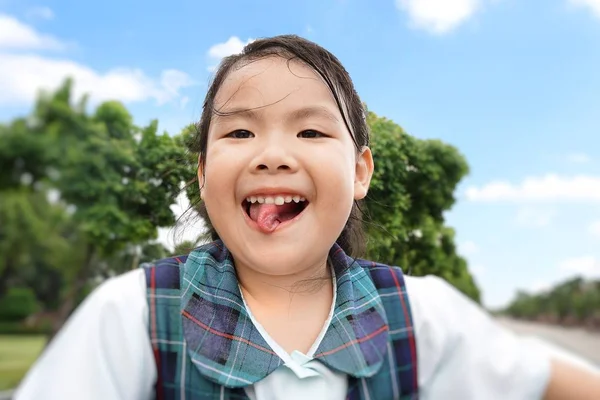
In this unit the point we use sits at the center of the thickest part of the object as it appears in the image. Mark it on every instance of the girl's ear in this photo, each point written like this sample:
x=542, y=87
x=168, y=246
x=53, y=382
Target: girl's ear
x=200, y=177
x=363, y=174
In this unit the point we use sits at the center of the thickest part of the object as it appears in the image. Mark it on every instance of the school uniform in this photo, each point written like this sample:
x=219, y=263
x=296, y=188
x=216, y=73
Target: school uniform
x=180, y=329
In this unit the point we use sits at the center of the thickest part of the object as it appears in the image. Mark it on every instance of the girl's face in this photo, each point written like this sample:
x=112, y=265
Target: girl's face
x=285, y=139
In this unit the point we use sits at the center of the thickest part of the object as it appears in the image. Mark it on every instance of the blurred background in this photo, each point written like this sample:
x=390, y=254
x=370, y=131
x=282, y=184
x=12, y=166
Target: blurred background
x=485, y=116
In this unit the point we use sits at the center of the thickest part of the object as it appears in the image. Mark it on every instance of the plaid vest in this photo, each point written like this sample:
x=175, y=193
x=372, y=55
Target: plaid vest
x=207, y=348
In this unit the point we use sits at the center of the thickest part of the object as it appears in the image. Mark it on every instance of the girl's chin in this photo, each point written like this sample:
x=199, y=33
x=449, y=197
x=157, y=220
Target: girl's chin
x=280, y=260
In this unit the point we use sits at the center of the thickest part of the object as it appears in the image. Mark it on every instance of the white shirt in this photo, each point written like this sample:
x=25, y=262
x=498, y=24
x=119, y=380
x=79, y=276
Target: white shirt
x=104, y=352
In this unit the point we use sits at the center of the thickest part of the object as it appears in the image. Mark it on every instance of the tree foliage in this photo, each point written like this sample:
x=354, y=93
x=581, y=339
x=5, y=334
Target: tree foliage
x=413, y=185
x=80, y=190
x=572, y=302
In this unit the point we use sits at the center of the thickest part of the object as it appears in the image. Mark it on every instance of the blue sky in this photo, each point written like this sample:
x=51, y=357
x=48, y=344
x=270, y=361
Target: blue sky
x=515, y=85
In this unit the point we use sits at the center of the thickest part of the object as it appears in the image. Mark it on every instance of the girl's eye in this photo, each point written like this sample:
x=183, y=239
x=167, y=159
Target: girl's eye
x=310, y=134
x=240, y=134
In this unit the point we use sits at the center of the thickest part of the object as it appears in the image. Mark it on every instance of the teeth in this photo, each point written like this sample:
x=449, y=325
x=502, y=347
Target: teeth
x=277, y=200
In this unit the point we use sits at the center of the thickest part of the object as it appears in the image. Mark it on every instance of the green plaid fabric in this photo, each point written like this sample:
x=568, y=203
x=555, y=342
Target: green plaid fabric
x=206, y=346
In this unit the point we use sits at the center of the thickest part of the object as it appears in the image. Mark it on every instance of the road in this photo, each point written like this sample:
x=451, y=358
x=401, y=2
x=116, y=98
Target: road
x=578, y=341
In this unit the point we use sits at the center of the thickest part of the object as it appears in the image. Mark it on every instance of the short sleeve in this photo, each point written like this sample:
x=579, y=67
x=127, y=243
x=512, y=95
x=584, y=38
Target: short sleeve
x=463, y=353
x=102, y=352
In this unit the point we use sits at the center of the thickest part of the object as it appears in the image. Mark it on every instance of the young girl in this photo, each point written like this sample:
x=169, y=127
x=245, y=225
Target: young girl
x=278, y=306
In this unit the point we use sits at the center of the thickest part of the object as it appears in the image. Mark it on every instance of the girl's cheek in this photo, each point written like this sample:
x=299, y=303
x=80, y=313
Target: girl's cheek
x=220, y=156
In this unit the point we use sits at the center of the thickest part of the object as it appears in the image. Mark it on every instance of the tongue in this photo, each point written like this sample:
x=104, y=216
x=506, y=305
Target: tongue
x=269, y=216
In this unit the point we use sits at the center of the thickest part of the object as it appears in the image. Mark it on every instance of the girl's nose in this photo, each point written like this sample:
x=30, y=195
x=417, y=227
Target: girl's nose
x=274, y=159
x=266, y=167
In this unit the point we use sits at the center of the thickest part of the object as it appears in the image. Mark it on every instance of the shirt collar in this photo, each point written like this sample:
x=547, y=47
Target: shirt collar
x=227, y=348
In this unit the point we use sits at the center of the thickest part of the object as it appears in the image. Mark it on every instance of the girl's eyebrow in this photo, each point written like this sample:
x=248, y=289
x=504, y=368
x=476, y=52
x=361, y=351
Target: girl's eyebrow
x=257, y=114
x=311, y=111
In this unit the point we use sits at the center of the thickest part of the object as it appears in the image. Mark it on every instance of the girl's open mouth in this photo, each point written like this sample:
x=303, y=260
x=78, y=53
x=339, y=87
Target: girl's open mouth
x=268, y=213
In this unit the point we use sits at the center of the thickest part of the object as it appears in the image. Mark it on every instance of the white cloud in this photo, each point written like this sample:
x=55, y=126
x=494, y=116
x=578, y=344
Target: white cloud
x=40, y=13
x=438, y=16
x=15, y=35
x=171, y=81
x=184, y=100
x=478, y=271
x=233, y=45
x=537, y=189
x=593, y=5
x=584, y=266
x=23, y=75
x=578, y=158
x=594, y=228
x=530, y=217
x=467, y=248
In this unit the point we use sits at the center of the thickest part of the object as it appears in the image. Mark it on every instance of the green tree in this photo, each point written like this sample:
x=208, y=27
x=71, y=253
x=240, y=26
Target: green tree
x=131, y=257
x=574, y=301
x=112, y=181
x=31, y=234
x=413, y=185
x=118, y=179
x=184, y=247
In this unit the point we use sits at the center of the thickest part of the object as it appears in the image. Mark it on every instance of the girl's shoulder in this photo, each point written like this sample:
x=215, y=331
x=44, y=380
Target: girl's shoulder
x=464, y=352
x=124, y=293
x=124, y=286
x=441, y=313
x=435, y=295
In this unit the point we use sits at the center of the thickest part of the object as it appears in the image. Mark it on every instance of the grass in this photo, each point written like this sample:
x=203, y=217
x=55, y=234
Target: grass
x=17, y=353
